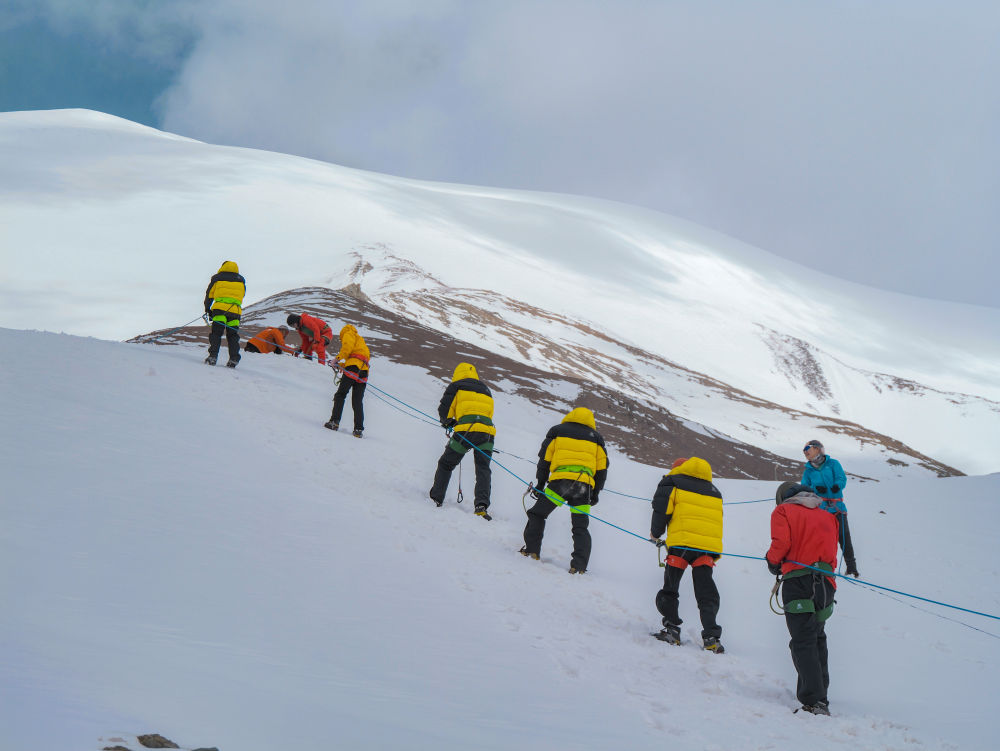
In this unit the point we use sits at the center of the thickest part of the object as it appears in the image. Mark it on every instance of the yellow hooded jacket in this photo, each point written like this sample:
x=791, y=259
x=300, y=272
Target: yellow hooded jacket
x=692, y=505
x=225, y=293
x=353, y=350
x=468, y=401
x=573, y=450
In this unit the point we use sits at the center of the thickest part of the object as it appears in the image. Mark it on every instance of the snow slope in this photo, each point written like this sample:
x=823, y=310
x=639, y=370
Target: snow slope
x=112, y=229
x=187, y=551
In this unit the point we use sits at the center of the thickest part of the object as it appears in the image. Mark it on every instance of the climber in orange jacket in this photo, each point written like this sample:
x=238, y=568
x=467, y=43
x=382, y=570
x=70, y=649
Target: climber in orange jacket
x=269, y=340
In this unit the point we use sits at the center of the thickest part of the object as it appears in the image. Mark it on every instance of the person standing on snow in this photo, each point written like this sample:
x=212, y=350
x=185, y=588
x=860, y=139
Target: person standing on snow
x=689, y=508
x=314, y=333
x=267, y=341
x=223, y=306
x=824, y=475
x=574, y=463
x=466, y=409
x=803, y=554
x=353, y=361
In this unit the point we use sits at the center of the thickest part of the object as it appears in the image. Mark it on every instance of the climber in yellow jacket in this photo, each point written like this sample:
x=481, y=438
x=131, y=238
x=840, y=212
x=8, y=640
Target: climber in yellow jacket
x=353, y=363
x=466, y=409
x=689, y=508
x=223, y=306
x=573, y=463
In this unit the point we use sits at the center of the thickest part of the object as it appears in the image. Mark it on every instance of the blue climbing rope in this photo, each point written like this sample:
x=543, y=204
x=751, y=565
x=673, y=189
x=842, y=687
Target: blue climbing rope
x=432, y=420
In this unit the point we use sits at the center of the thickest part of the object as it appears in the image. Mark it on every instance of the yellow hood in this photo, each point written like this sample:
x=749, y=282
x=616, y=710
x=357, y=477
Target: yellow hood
x=583, y=416
x=229, y=266
x=465, y=370
x=694, y=467
x=348, y=329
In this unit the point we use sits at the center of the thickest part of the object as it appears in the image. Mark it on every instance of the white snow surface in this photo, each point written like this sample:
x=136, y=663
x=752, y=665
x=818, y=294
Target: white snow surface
x=187, y=551
x=112, y=229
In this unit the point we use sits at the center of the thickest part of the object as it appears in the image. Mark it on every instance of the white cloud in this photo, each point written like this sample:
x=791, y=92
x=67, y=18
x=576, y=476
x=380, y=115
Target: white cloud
x=857, y=138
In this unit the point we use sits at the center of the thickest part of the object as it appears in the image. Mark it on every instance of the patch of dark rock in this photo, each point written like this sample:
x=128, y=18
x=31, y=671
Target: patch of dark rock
x=155, y=740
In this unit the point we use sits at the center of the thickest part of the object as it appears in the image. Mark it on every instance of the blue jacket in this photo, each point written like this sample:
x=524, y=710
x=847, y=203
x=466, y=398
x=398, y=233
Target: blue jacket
x=822, y=480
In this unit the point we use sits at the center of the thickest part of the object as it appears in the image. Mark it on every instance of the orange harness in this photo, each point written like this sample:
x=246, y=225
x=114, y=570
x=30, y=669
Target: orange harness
x=677, y=562
x=359, y=356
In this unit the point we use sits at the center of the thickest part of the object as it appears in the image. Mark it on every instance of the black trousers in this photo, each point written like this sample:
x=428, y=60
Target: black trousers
x=357, y=396
x=576, y=494
x=808, y=643
x=457, y=448
x=705, y=593
x=232, y=339
x=844, y=533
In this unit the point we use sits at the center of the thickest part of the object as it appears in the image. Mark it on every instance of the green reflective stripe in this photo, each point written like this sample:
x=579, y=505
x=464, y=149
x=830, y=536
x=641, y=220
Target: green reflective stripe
x=228, y=300
x=575, y=468
x=460, y=446
x=469, y=419
x=559, y=501
x=225, y=321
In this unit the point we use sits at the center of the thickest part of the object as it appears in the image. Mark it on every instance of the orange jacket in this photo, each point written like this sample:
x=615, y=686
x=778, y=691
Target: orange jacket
x=269, y=340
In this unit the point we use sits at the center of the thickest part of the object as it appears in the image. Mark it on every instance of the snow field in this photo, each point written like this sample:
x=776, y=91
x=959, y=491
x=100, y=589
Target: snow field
x=186, y=550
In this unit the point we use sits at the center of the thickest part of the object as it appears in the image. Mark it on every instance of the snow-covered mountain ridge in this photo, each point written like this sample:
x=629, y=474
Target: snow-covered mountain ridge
x=110, y=227
x=639, y=427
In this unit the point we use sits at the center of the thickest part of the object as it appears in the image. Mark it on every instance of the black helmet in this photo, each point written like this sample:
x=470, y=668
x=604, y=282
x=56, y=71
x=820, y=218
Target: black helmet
x=786, y=490
x=293, y=319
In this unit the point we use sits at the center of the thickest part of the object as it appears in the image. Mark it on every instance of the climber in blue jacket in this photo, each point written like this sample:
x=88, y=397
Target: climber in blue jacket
x=825, y=477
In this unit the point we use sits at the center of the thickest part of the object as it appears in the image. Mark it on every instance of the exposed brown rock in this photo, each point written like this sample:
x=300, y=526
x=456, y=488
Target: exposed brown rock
x=155, y=740
x=638, y=427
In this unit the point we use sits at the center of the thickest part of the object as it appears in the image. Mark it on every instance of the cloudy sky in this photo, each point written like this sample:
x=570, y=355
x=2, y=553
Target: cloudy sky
x=857, y=137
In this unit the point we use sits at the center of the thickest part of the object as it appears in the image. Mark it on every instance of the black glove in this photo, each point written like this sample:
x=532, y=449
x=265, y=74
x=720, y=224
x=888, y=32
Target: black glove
x=852, y=570
x=449, y=423
x=539, y=494
x=658, y=543
x=774, y=568
x=821, y=489
x=593, y=498
x=835, y=488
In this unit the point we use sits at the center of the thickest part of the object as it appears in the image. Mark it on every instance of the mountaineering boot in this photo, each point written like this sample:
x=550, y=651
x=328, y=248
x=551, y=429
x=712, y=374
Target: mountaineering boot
x=573, y=570
x=210, y=360
x=436, y=501
x=712, y=644
x=524, y=551
x=356, y=433
x=820, y=707
x=331, y=425
x=670, y=633
x=232, y=363
x=481, y=511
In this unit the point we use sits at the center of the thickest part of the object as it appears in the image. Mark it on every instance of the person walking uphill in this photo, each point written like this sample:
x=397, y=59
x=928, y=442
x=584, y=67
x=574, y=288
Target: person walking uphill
x=353, y=360
x=314, y=333
x=466, y=409
x=574, y=463
x=803, y=554
x=689, y=508
x=824, y=475
x=223, y=306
